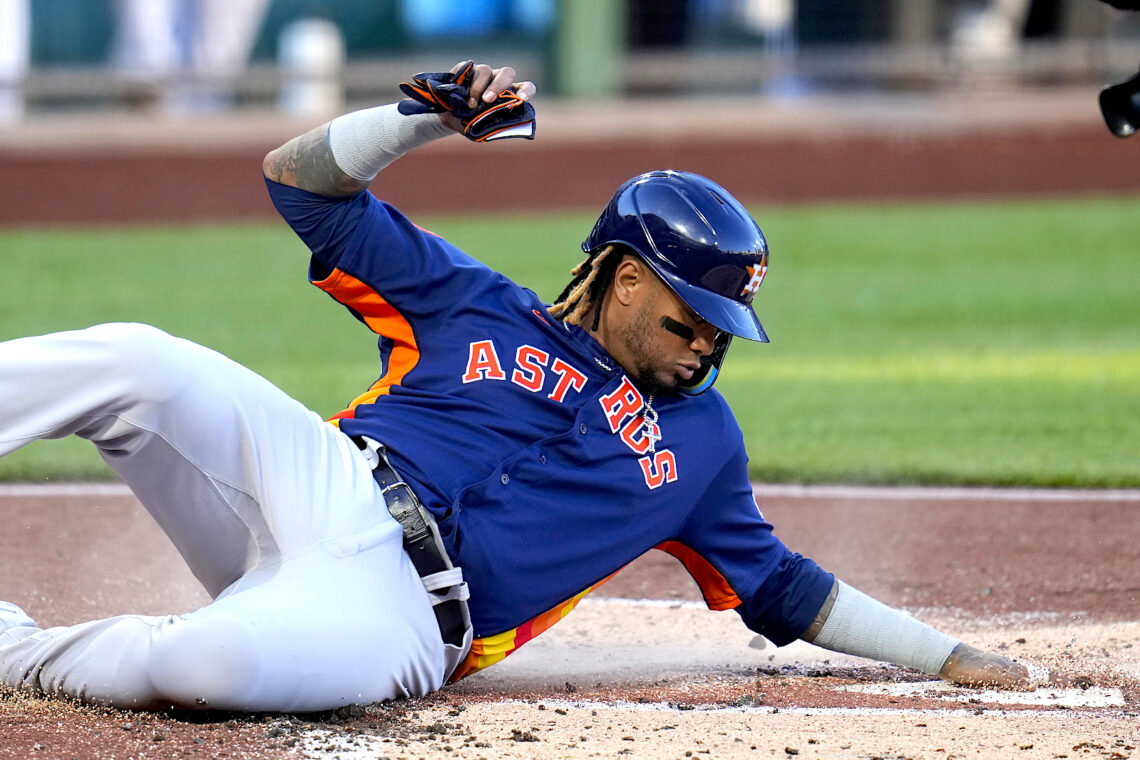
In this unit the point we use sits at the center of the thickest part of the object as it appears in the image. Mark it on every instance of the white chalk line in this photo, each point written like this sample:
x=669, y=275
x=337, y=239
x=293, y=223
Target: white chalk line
x=326, y=743
x=1046, y=696
x=773, y=490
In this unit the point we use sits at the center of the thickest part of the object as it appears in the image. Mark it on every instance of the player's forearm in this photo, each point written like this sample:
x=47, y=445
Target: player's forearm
x=345, y=155
x=307, y=162
x=853, y=623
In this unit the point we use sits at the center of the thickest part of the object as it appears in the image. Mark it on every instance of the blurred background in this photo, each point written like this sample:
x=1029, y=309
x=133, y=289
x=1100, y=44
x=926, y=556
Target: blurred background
x=315, y=56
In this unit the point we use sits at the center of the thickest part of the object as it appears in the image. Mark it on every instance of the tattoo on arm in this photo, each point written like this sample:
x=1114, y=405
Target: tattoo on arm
x=307, y=162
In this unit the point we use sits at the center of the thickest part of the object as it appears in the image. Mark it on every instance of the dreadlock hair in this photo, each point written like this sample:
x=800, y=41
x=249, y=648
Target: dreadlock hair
x=590, y=279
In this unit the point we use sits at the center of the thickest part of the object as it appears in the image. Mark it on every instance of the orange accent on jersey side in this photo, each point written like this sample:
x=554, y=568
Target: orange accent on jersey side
x=383, y=319
x=718, y=594
x=491, y=649
x=427, y=231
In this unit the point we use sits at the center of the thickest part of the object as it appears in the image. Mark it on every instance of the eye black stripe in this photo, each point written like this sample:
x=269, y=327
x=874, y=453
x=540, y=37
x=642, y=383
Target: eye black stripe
x=678, y=329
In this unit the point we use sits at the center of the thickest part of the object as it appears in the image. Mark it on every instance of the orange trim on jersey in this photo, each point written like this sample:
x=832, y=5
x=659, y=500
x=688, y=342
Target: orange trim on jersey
x=426, y=231
x=383, y=319
x=718, y=594
x=491, y=649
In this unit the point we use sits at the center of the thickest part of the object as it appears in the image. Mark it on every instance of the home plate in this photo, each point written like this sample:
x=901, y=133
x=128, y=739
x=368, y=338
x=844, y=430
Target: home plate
x=1044, y=696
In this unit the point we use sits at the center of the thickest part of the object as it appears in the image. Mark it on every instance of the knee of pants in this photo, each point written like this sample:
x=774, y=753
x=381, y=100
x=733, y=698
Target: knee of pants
x=201, y=664
x=148, y=362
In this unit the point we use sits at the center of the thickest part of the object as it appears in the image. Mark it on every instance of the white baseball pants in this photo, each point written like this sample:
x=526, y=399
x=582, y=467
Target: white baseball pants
x=275, y=511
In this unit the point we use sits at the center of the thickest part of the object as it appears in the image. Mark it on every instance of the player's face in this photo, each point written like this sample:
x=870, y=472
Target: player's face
x=664, y=340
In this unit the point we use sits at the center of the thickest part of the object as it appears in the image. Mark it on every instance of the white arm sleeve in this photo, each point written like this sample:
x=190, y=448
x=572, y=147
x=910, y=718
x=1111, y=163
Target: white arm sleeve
x=364, y=142
x=861, y=626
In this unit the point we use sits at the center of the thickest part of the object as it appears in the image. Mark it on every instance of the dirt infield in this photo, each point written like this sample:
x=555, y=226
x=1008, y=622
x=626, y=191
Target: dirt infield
x=644, y=669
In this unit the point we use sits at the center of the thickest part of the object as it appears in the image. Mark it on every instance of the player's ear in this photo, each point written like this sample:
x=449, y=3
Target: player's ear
x=629, y=276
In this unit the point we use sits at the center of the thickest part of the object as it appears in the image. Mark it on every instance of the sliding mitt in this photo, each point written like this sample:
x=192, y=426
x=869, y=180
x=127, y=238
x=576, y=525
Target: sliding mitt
x=436, y=92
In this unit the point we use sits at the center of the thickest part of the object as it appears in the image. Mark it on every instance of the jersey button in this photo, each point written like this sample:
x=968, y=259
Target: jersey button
x=582, y=428
x=504, y=478
x=542, y=458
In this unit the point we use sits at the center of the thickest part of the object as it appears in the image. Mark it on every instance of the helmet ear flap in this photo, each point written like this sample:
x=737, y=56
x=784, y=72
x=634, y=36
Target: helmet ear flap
x=704, y=377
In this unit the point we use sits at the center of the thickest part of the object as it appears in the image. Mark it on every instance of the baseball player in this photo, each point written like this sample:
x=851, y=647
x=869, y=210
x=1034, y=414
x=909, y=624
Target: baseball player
x=511, y=457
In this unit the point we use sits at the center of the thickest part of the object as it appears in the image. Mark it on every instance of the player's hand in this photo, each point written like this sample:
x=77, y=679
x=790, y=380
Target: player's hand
x=475, y=100
x=486, y=86
x=969, y=666
x=487, y=83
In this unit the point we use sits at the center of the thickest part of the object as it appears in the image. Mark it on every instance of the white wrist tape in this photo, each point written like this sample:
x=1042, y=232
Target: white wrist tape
x=364, y=142
x=861, y=626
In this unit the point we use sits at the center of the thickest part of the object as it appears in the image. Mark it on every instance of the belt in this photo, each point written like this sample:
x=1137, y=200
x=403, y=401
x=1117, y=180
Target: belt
x=422, y=542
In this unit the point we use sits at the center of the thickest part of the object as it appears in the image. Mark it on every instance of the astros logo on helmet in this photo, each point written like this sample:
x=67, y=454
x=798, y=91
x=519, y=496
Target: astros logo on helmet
x=757, y=272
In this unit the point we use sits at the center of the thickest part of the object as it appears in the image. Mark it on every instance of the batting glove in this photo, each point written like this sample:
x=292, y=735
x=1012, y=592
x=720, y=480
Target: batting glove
x=436, y=92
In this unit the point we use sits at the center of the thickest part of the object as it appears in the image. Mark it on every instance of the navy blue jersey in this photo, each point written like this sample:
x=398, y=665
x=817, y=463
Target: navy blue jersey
x=527, y=442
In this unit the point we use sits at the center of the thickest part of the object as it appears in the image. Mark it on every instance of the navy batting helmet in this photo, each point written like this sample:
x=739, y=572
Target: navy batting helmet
x=702, y=243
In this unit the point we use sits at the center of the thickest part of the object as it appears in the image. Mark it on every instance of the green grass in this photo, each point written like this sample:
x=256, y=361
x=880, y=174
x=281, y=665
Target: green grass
x=965, y=343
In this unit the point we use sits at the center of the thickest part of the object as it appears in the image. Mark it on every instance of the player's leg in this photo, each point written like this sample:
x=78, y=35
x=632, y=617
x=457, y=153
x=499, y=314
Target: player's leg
x=335, y=626
x=233, y=469
x=143, y=398
x=345, y=619
x=252, y=488
x=345, y=622
x=242, y=478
